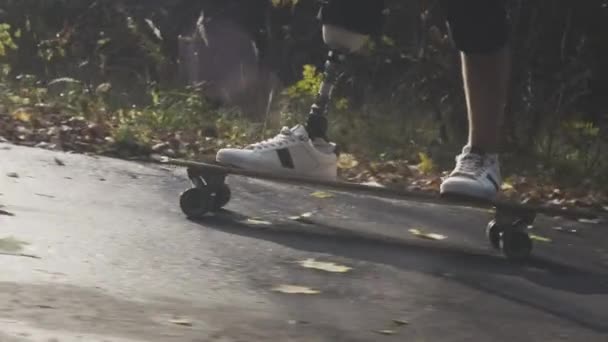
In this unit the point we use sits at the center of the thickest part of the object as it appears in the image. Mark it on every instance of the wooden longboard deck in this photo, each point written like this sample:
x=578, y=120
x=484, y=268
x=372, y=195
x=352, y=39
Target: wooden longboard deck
x=213, y=168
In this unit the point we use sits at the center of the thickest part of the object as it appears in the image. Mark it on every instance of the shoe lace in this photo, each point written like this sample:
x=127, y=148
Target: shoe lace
x=284, y=138
x=471, y=164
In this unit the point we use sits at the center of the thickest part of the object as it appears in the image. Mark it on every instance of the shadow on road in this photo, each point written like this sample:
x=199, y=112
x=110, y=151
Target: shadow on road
x=477, y=269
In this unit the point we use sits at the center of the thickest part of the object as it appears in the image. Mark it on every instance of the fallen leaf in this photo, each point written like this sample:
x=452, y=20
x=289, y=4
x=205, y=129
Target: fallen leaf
x=181, y=321
x=373, y=183
x=302, y=218
x=507, y=186
x=103, y=88
x=563, y=230
x=13, y=174
x=429, y=236
x=590, y=221
x=294, y=289
x=258, y=222
x=321, y=195
x=400, y=322
x=59, y=162
x=22, y=115
x=6, y=213
x=12, y=245
x=347, y=161
x=43, y=306
x=540, y=238
x=324, y=266
x=386, y=332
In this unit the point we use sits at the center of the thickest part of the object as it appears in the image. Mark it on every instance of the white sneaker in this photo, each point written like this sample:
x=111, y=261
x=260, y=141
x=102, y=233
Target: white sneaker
x=291, y=152
x=476, y=175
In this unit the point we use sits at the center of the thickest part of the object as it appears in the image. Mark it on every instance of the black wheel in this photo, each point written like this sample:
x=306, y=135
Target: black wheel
x=493, y=232
x=196, y=202
x=222, y=197
x=516, y=245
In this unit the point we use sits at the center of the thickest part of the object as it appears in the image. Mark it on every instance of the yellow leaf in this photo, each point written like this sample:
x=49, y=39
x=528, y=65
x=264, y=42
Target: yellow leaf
x=386, y=332
x=258, y=222
x=347, y=161
x=321, y=195
x=302, y=218
x=429, y=236
x=22, y=115
x=426, y=164
x=294, y=289
x=540, y=238
x=507, y=186
x=324, y=266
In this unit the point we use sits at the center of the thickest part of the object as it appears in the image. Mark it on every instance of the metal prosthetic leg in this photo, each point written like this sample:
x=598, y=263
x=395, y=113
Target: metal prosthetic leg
x=316, y=125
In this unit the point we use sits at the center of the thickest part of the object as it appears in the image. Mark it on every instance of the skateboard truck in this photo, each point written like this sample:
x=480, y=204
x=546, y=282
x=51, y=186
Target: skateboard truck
x=508, y=232
x=209, y=193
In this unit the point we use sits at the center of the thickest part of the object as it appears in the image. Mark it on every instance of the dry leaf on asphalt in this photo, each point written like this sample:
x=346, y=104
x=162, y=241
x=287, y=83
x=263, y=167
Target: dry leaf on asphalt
x=540, y=238
x=302, y=218
x=181, y=321
x=564, y=230
x=294, y=289
x=321, y=194
x=324, y=266
x=386, y=332
x=258, y=222
x=59, y=162
x=589, y=221
x=429, y=236
x=400, y=322
x=12, y=245
x=6, y=213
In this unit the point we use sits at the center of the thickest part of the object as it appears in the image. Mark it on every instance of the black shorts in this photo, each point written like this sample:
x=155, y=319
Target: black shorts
x=361, y=16
x=476, y=26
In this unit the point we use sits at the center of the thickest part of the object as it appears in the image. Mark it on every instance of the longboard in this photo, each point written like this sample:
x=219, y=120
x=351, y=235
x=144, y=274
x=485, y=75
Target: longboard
x=507, y=232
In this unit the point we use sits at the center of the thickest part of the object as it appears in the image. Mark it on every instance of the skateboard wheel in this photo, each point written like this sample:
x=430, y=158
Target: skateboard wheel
x=195, y=202
x=493, y=232
x=222, y=197
x=515, y=245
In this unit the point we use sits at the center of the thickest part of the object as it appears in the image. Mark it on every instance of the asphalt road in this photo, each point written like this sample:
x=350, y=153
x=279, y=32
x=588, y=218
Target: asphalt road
x=98, y=250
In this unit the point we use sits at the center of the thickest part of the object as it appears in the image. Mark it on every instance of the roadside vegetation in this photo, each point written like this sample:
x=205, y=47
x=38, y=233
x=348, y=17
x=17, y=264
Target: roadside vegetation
x=185, y=78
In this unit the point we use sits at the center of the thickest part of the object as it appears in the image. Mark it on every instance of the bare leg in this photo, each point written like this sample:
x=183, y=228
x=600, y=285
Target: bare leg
x=486, y=78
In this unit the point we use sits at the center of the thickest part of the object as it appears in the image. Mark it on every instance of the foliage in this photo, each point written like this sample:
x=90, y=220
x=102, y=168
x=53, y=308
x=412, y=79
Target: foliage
x=151, y=70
